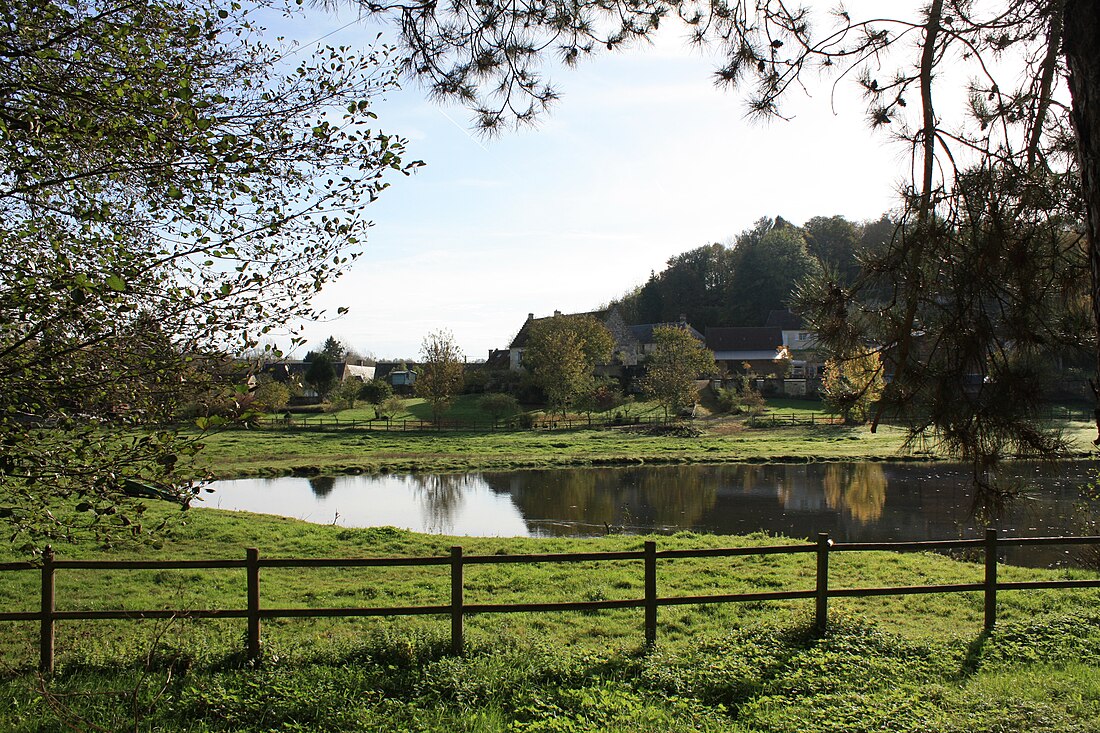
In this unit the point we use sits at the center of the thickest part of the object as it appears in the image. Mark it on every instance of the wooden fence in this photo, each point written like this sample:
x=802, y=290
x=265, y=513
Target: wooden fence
x=774, y=419
x=457, y=609
x=779, y=418
x=333, y=422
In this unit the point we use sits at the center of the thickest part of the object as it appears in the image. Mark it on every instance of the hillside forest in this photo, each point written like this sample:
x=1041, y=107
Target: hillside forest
x=737, y=282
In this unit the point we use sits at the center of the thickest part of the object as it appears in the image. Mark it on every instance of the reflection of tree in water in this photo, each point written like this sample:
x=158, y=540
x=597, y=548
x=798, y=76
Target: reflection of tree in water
x=440, y=496
x=858, y=488
x=631, y=498
x=322, y=486
x=569, y=496
x=677, y=496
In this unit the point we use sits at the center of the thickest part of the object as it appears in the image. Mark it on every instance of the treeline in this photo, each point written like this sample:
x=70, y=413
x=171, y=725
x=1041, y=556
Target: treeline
x=737, y=284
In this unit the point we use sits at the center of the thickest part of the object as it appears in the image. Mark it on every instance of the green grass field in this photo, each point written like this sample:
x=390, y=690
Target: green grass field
x=888, y=663
x=913, y=663
x=270, y=452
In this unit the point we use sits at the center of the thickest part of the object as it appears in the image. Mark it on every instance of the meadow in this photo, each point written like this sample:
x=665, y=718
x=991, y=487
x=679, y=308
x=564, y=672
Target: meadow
x=886, y=663
x=281, y=451
x=912, y=663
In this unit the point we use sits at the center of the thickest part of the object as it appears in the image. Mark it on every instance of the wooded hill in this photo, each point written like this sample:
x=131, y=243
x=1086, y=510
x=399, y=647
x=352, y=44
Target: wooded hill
x=739, y=282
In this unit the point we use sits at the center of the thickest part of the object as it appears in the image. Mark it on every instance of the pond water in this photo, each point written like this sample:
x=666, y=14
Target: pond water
x=866, y=501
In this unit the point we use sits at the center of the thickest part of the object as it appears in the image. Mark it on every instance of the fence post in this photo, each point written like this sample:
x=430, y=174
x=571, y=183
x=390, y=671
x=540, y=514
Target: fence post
x=821, y=610
x=45, y=648
x=252, y=570
x=990, y=578
x=650, y=593
x=457, y=640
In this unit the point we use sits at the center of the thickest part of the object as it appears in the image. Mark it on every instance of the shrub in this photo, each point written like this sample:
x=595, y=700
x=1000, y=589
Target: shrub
x=375, y=391
x=390, y=407
x=499, y=405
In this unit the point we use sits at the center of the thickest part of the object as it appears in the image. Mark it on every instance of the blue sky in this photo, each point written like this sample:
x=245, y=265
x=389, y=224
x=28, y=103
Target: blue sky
x=642, y=159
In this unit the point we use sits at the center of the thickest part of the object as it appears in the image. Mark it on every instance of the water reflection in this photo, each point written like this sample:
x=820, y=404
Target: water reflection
x=441, y=497
x=322, y=486
x=857, y=488
x=626, y=499
x=852, y=501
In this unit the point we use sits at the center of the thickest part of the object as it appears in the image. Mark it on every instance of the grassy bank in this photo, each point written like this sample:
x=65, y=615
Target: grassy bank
x=277, y=452
x=914, y=663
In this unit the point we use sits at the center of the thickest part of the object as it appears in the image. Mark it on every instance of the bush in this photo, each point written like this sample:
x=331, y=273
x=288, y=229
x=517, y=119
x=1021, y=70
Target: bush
x=390, y=407
x=271, y=396
x=499, y=405
x=746, y=401
x=375, y=391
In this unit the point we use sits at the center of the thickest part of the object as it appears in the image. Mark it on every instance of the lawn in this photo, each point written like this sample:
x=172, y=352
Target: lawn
x=887, y=663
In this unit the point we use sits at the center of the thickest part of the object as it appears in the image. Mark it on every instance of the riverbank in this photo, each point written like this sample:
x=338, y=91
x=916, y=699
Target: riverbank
x=888, y=663
x=241, y=453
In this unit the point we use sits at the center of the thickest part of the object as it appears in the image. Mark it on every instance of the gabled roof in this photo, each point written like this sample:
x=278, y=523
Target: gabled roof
x=644, y=331
x=520, y=340
x=744, y=338
x=784, y=320
x=365, y=373
x=383, y=368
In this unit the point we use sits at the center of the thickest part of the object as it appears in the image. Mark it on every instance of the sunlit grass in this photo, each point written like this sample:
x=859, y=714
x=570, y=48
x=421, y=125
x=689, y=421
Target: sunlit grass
x=907, y=664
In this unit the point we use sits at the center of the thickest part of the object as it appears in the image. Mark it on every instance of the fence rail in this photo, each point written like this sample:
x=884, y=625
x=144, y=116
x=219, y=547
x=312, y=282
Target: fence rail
x=458, y=609
x=334, y=422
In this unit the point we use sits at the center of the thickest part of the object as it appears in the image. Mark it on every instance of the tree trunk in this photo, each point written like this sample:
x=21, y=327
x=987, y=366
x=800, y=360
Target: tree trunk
x=1082, y=28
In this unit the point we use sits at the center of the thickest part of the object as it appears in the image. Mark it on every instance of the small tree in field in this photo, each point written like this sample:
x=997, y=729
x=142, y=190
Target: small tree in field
x=439, y=376
x=852, y=385
x=677, y=361
x=375, y=391
x=347, y=392
x=271, y=396
x=562, y=353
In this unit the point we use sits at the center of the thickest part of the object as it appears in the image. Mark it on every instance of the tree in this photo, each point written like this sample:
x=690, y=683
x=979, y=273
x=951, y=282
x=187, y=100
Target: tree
x=439, y=376
x=159, y=164
x=334, y=349
x=677, y=361
x=562, y=353
x=271, y=396
x=347, y=392
x=852, y=385
x=767, y=267
x=834, y=241
x=375, y=391
x=321, y=375
x=1034, y=151
x=389, y=407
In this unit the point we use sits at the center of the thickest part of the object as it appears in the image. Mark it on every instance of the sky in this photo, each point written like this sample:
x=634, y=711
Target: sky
x=643, y=158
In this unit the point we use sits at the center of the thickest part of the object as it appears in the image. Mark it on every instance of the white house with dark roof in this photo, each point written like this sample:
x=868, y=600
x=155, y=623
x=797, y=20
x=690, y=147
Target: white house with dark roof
x=800, y=342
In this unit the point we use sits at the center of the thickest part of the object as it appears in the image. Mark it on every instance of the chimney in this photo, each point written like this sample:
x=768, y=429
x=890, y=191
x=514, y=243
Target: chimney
x=557, y=313
x=683, y=319
x=530, y=316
